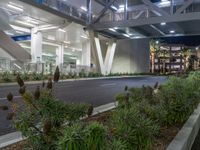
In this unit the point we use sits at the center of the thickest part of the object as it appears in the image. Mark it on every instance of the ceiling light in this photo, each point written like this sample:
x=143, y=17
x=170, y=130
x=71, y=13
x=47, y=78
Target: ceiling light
x=48, y=28
x=197, y=48
x=62, y=30
x=19, y=32
x=171, y=31
x=111, y=29
x=85, y=37
x=25, y=23
x=68, y=54
x=20, y=28
x=84, y=8
x=121, y=6
x=73, y=57
x=115, y=28
x=126, y=35
x=163, y=23
x=157, y=42
x=67, y=42
x=16, y=7
x=8, y=33
x=113, y=7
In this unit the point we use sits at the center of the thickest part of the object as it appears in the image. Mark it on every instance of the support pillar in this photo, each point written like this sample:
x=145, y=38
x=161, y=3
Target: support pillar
x=60, y=56
x=86, y=54
x=36, y=45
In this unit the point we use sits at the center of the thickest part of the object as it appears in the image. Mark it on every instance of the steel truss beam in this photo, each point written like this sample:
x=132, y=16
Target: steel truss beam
x=154, y=7
x=104, y=4
x=103, y=11
x=186, y=5
x=147, y=21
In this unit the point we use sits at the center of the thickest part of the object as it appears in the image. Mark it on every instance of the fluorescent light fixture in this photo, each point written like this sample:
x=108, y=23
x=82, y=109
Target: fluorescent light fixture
x=157, y=42
x=67, y=42
x=171, y=31
x=69, y=54
x=163, y=23
x=20, y=32
x=85, y=37
x=126, y=35
x=121, y=6
x=164, y=3
x=84, y=8
x=113, y=7
x=47, y=54
x=20, y=28
x=24, y=46
x=15, y=6
x=50, y=43
x=8, y=33
x=73, y=58
x=111, y=29
x=25, y=23
x=61, y=30
x=48, y=28
x=115, y=28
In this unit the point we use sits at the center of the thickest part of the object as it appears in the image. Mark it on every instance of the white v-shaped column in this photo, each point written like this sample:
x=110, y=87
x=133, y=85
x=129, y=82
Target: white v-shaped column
x=105, y=66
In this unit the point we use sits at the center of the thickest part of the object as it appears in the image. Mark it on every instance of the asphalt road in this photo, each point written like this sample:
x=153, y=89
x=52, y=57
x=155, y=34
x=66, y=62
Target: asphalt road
x=96, y=92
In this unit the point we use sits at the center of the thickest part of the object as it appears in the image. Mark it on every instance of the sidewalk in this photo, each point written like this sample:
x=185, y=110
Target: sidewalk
x=70, y=80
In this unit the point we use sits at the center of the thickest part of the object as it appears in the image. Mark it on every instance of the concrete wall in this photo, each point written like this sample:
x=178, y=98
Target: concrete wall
x=131, y=56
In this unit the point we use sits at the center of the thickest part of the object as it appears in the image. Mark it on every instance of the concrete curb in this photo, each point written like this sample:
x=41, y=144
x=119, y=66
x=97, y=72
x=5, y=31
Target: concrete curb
x=15, y=137
x=70, y=80
x=186, y=136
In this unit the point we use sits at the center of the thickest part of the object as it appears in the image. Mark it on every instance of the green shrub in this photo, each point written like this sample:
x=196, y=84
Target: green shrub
x=117, y=144
x=134, y=128
x=37, y=76
x=7, y=77
x=96, y=136
x=73, y=139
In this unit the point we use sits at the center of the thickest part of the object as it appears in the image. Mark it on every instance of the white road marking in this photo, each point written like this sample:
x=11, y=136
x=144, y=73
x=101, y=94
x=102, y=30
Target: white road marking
x=4, y=98
x=109, y=84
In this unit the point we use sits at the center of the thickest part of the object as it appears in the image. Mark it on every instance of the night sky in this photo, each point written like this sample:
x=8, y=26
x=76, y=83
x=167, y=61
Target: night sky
x=186, y=40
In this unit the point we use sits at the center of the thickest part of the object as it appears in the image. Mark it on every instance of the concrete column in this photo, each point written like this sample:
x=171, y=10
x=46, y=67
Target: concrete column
x=86, y=53
x=110, y=56
x=60, y=56
x=36, y=45
x=99, y=55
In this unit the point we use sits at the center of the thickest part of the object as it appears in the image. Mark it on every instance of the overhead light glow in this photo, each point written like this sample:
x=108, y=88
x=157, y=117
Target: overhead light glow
x=19, y=32
x=113, y=7
x=73, y=58
x=48, y=28
x=15, y=6
x=126, y=35
x=111, y=29
x=68, y=54
x=163, y=23
x=115, y=28
x=85, y=37
x=171, y=31
x=20, y=29
x=157, y=42
x=25, y=23
x=197, y=48
x=84, y=8
x=8, y=33
x=62, y=30
x=67, y=42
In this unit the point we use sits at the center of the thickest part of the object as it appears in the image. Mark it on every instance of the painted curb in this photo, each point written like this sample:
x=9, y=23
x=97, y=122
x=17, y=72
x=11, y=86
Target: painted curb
x=15, y=137
x=78, y=79
x=186, y=136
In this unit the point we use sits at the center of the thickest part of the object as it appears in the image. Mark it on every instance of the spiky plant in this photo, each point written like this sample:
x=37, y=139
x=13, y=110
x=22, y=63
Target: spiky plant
x=37, y=93
x=20, y=81
x=56, y=74
x=9, y=97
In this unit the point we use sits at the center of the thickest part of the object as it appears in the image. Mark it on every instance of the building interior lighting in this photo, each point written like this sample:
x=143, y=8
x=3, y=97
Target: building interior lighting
x=113, y=7
x=8, y=33
x=48, y=28
x=15, y=6
x=171, y=31
x=67, y=42
x=126, y=35
x=61, y=30
x=84, y=8
x=111, y=29
x=69, y=54
x=73, y=58
x=85, y=37
x=25, y=23
x=20, y=28
x=157, y=42
x=163, y=23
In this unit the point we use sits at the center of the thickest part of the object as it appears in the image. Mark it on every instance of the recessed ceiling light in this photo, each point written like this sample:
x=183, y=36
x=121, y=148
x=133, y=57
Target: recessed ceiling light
x=171, y=31
x=15, y=6
x=62, y=30
x=111, y=29
x=25, y=23
x=163, y=23
x=84, y=8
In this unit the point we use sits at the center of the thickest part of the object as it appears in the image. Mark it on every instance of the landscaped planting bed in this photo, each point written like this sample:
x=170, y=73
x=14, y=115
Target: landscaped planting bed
x=146, y=118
